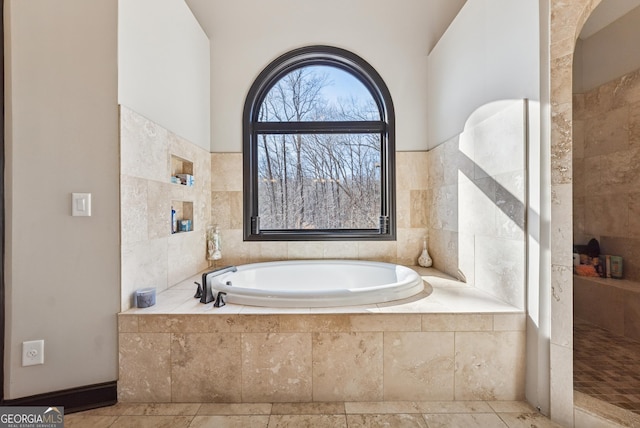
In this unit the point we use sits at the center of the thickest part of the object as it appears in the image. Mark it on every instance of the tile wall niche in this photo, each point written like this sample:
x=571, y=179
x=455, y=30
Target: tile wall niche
x=151, y=255
x=606, y=169
x=411, y=211
x=476, y=203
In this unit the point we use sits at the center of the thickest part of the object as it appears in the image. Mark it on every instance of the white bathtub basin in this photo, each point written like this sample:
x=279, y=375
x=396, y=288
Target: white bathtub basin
x=317, y=283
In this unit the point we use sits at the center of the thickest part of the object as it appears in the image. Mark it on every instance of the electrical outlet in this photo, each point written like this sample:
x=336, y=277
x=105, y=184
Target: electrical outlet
x=32, y=353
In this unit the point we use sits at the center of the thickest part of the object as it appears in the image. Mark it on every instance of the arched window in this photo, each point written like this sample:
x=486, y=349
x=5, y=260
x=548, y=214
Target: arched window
x=319, y=150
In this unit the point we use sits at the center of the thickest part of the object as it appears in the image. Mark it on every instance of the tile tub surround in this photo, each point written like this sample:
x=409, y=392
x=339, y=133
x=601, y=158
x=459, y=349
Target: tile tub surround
x=411, y=215
x=457, y=344
x=151, y=255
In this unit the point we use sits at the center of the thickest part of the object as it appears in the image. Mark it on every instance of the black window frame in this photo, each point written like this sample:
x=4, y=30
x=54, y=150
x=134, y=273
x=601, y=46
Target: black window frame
x=369, y=77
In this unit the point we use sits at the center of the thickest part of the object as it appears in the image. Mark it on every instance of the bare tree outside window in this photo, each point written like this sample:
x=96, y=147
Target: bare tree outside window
x=318, y=181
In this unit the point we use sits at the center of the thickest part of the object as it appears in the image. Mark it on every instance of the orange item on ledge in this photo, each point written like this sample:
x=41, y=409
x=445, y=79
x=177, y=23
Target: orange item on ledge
x=586, y=270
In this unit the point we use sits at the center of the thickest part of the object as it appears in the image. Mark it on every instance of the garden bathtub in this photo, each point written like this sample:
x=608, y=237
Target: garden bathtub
x=316, y=283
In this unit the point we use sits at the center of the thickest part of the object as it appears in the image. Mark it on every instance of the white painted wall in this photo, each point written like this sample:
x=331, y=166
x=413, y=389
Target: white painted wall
x=163, y=66
x=62, y=272
x=490, y=52
x=596, y=63
x=247, y=35
x=494, y=50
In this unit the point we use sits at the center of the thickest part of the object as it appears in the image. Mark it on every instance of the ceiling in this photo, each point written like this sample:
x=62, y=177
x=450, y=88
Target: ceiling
x=215, y=15
x=607, y=12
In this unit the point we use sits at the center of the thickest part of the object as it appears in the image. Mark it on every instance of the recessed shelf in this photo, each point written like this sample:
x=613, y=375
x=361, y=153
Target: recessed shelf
x=181, y=171
x=183, y=217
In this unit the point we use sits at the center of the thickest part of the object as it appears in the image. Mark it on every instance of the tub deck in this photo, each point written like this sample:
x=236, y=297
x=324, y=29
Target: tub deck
x=442, y=294
x=456, y=344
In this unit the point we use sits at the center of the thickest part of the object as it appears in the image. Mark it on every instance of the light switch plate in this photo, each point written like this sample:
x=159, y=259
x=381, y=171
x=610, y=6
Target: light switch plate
x=81, y=204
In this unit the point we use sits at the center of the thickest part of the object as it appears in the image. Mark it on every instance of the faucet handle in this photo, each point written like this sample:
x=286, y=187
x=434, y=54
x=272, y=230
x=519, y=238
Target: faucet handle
x=198, y=291
x=220, y=300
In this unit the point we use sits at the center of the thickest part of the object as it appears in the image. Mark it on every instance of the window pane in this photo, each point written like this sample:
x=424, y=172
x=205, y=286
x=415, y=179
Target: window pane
x=319, y=181
x=318, y=93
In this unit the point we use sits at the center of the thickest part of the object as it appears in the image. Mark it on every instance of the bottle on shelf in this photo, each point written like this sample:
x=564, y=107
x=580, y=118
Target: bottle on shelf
x=174, y=221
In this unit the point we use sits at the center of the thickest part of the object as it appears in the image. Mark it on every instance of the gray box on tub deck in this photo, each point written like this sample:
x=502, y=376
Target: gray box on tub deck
x=145, y=297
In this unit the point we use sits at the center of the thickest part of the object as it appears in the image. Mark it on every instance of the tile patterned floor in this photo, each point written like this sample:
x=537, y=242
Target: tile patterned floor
x=469, y=414
x=606, y=366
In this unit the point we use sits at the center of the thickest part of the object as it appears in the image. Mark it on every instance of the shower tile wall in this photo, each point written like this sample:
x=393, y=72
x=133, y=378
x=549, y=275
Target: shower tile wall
x=411, y=211
x=151, y=255
x=476, y=204
x=606, y=168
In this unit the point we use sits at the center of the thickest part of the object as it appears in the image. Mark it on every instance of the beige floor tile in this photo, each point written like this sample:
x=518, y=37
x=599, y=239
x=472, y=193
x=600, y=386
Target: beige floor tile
x=527, y=420
x=398, y=420
x=400, y=414
x=298, y=421
x=511, y=407
x=117, y=409
x=161, y=409
x=453, y=407
x=235, y=409
x=152, y=422
x=230, y=422
x=94, y=421
x=464, y=420
x=308, y=409
x=381, y=407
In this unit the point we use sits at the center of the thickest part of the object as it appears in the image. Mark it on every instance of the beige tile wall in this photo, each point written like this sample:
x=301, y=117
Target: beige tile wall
x=146, y=195
x=411, y=209
x=476, y=204
x=151, y=255
x=606, y=169
x=303, y=358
